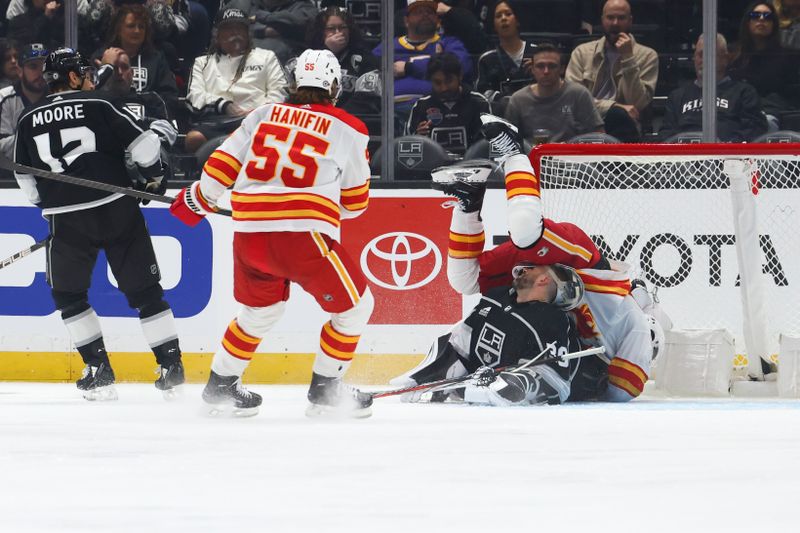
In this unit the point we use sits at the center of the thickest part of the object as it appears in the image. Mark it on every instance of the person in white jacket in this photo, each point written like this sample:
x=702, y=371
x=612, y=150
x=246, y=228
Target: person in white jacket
x=231, y=80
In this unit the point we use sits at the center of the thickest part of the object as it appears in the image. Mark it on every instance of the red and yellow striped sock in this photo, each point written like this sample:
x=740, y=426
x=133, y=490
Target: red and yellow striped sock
x=335, y=353
x=236, y=352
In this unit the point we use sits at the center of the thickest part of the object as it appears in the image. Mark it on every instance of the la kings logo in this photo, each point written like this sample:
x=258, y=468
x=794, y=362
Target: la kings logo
x=490, y=345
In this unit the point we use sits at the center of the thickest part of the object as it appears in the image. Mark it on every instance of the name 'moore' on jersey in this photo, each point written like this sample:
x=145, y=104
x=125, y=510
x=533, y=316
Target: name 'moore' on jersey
x=292, y=168
x=79, y=133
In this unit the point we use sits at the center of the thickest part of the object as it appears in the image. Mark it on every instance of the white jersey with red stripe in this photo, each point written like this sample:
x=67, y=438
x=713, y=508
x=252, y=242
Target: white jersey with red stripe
x=613, y=319
x=292, y=168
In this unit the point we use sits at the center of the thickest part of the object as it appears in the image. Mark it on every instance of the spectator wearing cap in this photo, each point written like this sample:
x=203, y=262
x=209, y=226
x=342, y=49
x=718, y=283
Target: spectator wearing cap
x=232, y=79
x=413, y=51
x=28, y=90
x=279, y=25
x=41, y=21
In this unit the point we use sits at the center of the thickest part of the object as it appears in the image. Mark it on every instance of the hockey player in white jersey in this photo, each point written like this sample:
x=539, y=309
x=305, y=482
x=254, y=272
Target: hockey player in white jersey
x=296, y=169
x=609, y=316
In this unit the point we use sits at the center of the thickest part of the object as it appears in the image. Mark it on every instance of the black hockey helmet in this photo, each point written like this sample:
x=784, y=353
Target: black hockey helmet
x=63, y=61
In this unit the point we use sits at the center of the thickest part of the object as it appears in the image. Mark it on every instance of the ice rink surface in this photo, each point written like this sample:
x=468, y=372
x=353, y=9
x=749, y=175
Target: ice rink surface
x=141, y=464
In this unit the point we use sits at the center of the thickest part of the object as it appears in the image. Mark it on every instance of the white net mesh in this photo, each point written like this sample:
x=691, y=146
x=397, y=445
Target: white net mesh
x=667, y=212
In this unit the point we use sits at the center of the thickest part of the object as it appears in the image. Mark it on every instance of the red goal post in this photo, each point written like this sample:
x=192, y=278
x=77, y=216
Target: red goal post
x=675, y=213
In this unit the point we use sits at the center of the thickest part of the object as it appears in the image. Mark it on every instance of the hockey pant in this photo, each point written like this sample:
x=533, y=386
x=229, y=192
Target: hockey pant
x=119, y=229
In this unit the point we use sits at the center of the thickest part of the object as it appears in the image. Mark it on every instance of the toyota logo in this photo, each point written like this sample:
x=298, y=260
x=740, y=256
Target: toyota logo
x=401, y=253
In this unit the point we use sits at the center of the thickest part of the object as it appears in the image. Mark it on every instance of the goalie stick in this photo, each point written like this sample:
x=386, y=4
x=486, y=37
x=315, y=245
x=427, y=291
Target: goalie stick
x=7, y=164
x=23, y=253
x=450, y=381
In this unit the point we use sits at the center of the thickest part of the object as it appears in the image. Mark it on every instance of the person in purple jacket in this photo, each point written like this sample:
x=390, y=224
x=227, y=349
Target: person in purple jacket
x=412, y=53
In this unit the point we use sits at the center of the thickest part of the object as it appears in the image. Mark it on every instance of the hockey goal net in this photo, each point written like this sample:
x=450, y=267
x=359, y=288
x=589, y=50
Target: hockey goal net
x=671, y=213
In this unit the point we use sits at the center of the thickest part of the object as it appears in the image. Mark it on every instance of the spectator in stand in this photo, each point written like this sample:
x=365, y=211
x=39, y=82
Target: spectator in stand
x=739, y=116
x=147, y=107
x=451, y=114
x=620, y=73
x=561, y=108
x=507, y=68
x=761, y=61
x=789, y=21
x=461, y=22
x=11, y=71
x=131, y=31
x=232, y=79
x=280, y=25
x=335, y=29
x=413, y=51
x=41, y=21
x=30, y=88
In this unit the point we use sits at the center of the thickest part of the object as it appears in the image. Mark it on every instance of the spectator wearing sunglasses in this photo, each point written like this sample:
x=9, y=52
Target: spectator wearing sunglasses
x=761, y=60
x=28, y=90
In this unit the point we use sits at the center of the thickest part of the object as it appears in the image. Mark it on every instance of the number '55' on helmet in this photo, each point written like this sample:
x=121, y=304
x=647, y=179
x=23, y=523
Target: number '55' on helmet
x=320, y=69
x=63, y=61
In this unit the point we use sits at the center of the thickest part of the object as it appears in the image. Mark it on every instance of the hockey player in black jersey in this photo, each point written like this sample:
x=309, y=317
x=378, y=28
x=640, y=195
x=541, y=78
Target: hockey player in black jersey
x=78, y=132
x=506, y=328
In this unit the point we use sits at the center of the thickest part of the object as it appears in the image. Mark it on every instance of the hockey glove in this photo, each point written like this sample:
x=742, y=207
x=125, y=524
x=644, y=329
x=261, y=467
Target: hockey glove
x=186, y=209
x=150, y=179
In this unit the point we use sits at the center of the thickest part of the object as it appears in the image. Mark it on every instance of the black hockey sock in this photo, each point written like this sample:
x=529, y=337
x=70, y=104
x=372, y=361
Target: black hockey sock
x=167, y=353
x=94, y=353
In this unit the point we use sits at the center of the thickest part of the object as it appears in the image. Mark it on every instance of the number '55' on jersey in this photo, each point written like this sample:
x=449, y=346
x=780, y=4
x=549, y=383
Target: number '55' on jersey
x=292, y=168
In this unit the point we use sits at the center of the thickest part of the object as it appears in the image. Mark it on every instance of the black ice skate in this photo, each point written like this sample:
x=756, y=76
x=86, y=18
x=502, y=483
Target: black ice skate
x=503, y=136
x=466, y=180
x=331, y=396
x=97, y=383
x=170, y=376
x=227, y=394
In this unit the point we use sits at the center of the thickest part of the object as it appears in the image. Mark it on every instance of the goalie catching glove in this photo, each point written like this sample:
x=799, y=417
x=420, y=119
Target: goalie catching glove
x=190, y=207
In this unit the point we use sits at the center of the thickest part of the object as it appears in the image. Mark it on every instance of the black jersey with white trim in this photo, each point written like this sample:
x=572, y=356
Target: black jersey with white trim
x=503, y=332
x=79, y=133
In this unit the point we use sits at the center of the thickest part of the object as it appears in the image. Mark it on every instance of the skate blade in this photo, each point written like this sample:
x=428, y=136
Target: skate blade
x=316, y=411
x=101, y=394
x=173, y=394
x=230, y=411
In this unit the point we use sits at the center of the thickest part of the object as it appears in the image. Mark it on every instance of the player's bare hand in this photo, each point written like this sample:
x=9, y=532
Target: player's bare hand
x=399, y=69
x=632, y=111
x=624, y=45
x=111, y=55
x=50, y=8
x=424, y=128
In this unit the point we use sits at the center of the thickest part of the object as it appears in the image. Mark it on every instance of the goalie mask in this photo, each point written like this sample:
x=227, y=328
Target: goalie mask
x=63, y=61
x=569, y=285
x=320, y=69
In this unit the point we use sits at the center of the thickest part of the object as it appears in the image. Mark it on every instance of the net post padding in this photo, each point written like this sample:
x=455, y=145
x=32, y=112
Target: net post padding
x=668, y=211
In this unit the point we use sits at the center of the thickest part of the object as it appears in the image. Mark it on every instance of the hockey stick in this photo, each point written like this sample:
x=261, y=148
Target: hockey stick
x=7, y=164
x=442, y=383
x=23, y=253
